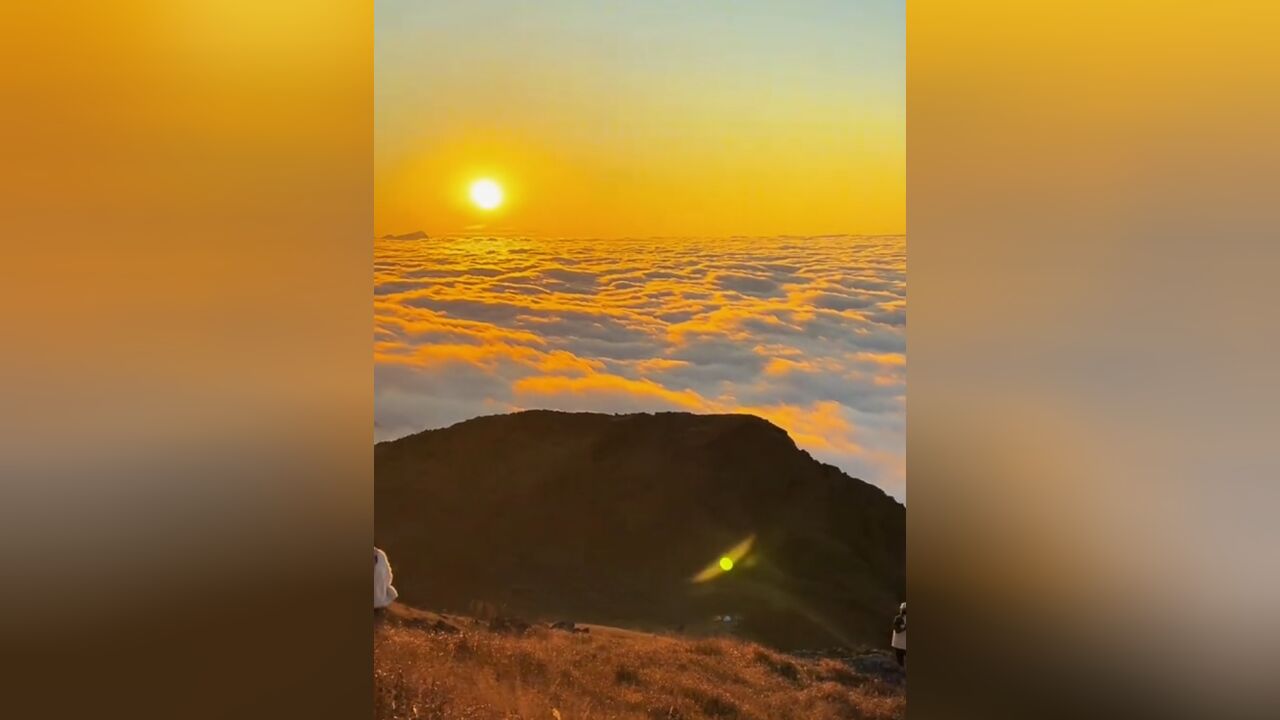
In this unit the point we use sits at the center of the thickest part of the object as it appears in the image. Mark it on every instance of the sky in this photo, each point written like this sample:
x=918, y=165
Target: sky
x=643, y=118
x=704, y=207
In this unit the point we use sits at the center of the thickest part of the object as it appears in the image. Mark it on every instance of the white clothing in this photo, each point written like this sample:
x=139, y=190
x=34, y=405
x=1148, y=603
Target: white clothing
x=899, y=640
x=383, y=592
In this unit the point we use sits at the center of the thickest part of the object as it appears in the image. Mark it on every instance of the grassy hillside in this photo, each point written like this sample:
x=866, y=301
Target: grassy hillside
x=468, y=672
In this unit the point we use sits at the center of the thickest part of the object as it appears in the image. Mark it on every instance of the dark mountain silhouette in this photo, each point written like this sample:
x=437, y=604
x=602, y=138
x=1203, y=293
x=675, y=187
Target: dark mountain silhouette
x=415, y=235
x=606, y=518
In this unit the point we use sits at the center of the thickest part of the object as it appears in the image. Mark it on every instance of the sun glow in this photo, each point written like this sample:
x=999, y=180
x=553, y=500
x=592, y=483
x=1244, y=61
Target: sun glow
x=486, y=194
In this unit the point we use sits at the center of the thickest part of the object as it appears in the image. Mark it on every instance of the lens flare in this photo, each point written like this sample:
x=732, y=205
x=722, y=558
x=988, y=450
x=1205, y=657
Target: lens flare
x=726, y=562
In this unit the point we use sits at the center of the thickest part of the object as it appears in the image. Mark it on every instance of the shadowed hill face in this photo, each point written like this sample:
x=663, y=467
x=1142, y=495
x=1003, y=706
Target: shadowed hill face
x=603, y=518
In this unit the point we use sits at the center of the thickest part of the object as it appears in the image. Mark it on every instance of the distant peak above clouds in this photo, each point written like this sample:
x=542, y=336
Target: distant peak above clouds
x=415, y=235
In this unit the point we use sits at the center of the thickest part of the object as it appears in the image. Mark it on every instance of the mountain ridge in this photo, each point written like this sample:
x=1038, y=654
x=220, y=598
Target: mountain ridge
x=606, y=518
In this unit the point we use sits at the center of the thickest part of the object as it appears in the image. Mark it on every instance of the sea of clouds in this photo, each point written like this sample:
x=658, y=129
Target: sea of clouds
x=808, y=332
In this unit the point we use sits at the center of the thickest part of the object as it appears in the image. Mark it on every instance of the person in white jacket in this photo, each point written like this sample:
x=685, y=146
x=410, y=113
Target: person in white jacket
x=899, y=640
x=383, y=592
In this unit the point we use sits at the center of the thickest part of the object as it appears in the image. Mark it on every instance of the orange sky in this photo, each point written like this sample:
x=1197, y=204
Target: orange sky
x=698, y=121
x=651, y=119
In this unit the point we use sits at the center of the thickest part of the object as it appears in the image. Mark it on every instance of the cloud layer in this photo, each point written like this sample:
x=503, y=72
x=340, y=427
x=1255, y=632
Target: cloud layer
x=808, y=332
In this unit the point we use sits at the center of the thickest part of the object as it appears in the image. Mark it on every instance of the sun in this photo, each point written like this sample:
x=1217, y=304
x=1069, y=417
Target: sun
x=486, y=194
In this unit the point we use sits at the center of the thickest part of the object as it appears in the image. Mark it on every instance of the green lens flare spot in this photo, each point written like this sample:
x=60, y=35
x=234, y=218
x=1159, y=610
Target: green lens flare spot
x=726, y=563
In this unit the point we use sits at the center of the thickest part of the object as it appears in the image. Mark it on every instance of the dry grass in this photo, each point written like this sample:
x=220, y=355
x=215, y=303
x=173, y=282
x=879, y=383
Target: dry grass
x=547, y=674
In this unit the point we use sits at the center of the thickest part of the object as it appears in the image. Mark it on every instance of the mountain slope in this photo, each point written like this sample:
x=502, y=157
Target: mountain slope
x=604, y=518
